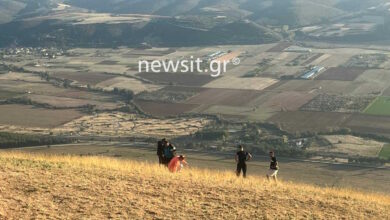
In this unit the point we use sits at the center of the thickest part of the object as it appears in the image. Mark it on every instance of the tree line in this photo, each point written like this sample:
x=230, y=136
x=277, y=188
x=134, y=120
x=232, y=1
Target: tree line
x=13, y=140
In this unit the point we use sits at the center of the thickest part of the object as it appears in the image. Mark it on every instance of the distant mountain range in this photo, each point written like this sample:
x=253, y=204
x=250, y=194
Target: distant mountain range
x=187, y=22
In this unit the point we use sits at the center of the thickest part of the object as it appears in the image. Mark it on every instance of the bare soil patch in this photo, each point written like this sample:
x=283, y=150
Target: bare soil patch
x=369, y=124
x=341, y=73
x=300, y=121
x=163, y=108
x=228, y=97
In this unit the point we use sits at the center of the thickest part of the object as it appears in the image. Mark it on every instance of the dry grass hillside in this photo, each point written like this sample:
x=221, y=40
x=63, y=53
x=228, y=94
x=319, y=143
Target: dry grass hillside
x=71, y=187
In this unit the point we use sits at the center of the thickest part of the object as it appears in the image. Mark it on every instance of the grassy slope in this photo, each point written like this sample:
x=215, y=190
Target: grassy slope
x=99, y=188
x=8, y=9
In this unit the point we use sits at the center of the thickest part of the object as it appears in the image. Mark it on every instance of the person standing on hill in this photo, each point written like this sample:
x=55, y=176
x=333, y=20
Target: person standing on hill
x=273, y=167
x=160, y=150
x=169, y=153
x=241, y=158
x=177, y=163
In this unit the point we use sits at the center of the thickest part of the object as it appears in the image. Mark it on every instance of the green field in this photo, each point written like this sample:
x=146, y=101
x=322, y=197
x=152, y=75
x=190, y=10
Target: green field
x=385, y=152
x=381, y=106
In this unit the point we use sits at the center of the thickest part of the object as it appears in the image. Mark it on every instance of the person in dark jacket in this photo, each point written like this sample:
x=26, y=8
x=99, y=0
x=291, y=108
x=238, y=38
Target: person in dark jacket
x=241, y=158
x=160, y=150
x=169, y=153
x=273, y=167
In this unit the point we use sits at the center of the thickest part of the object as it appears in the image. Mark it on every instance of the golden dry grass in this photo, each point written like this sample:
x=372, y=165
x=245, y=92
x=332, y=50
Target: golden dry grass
x=71, y=187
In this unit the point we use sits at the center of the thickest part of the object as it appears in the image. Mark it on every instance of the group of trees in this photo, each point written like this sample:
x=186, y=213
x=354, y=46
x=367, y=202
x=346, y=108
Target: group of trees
x=12, y=140
x=128, y=95
x=258, y=138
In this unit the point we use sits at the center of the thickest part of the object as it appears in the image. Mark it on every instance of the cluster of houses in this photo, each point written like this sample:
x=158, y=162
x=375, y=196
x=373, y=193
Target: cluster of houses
x=38, y=51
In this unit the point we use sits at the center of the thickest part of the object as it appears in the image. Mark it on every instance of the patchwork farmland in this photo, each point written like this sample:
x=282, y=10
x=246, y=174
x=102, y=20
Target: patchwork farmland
x=265, y=89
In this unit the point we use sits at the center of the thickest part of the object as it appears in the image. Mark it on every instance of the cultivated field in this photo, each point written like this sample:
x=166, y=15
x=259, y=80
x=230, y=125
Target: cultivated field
x=181, y=79
x=84, y=78
x=385, y=152
x=164, y=108
x=341, y=73
x=381, y=106
x=101, y=188
x=387, y=92
x=229, y=82
x=16, y=76
x=338, y=103
x=127, y=83
x=29, y=116
x=369, y=124
x=309, y=121
x=334, y=58
x=350, y=146
x=238, y=112
x=287, y=101
x=373, y=81
x=44, y=88
x=317, y=86
x=229, y=97
x=8, y=95
x=63, y=102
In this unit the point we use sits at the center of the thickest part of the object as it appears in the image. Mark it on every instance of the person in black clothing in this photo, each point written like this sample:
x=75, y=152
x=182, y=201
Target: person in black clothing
x=160, y=150
x=169, y=153
x=273, y=167
x=241, y=158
